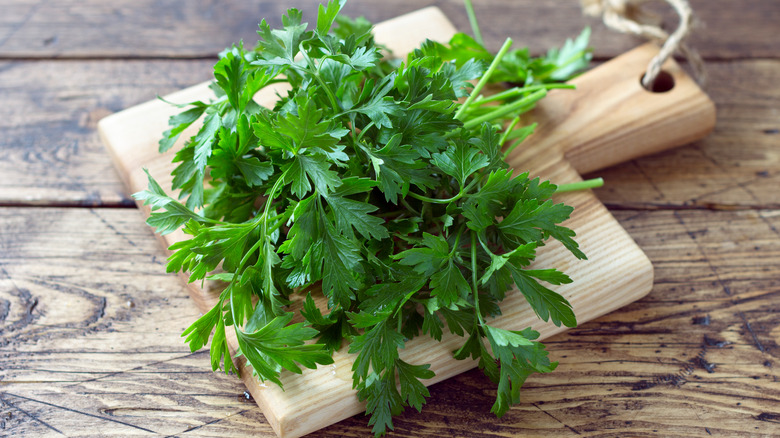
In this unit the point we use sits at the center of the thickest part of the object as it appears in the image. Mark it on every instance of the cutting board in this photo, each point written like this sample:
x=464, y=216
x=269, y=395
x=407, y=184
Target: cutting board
x=610, y=118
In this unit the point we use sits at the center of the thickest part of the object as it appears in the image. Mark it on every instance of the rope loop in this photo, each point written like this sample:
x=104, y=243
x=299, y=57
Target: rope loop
x=627, y=16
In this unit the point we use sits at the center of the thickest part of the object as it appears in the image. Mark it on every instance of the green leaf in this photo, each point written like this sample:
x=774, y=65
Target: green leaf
x=426, y=259
x=552, y=276
x=179, y=123
x=412, y=390
x=449, y=285
x=573, y=57
x=305, y=228
x=379, y=106
x=204, y=141
x=220, y=351
x=231, y=77
x=519, y=357
x=318, y=170
x=198, y=333
x=460, y=78
x=459, y=321
x=364, y=58
x=313, y=314
x=462, y=49
x=354, y=185
x=396, y=167
x=547, y=304
x=506, y=338
x=306, y=128
x=384, y=298
x=384, y=401
x=475, y=348
x=377, y=349
x=175, y=215
x=460, y=162
x=528, y=219
x=341, y=258
x=281, y=46
x=279, y=345
x=201, y=145
x=327, y=14
x=254, y=171
x=520, y=256
x=305, y=168
x=350, y=213
x=432, y=325
x=226, y=243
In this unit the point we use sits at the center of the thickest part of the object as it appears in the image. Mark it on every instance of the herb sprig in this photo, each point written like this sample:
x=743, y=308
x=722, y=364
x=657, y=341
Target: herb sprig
x=370, y=185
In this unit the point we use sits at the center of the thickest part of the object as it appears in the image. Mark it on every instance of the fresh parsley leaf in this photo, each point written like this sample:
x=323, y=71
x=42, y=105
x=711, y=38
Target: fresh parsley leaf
x=179, y=123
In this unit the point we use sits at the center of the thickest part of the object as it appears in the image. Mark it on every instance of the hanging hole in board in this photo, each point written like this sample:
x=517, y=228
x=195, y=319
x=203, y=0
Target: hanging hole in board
x=663, y=82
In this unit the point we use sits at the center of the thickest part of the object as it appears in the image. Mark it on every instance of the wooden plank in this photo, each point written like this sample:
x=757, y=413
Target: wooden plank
x=51, y=153
x=83, y=343
x=698, y=356
x=145, y=28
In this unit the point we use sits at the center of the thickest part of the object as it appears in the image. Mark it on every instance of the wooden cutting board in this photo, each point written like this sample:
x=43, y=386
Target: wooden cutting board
x=610, y=118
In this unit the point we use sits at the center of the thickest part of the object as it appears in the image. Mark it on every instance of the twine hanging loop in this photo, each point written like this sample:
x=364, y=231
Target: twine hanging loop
x=627, y=16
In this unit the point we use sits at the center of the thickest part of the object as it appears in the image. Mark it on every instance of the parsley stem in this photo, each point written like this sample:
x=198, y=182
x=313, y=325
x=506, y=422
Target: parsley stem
x=474, y=276
x=507, y=131
x=517, y=91
x=362, y=130
x=262, y=240
x=409, y=207
x=485, y=247
x=434, y=200
x=461, y=193
x=211, y=221
x=503, y=110
x=331, y=96
x=473, y=22
x=316, y=74
x=484, y=79
x=581, y=185
x=457, y=241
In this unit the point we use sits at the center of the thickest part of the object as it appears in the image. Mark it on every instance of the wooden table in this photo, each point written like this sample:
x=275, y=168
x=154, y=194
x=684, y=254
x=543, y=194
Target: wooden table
x=90, y=324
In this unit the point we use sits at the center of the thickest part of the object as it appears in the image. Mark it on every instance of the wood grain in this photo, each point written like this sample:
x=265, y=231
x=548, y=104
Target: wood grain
x=738, y=166
x=81, y=342
x=200, y=28
x=700, y=353
x=51, y=152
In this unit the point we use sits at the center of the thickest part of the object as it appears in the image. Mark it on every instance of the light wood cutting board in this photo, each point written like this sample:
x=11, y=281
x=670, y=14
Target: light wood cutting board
x=607, y=120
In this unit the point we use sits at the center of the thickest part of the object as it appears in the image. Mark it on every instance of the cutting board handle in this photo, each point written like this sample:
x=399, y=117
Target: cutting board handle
x=610, y=118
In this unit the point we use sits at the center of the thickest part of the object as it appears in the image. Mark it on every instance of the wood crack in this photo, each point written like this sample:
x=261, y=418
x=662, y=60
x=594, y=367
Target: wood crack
x=209, y=423
x=536, y=405
x=124, y=423
x=29, y=415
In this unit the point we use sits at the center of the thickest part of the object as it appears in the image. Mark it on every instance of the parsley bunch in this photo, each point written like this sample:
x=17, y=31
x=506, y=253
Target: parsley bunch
x=369, y=186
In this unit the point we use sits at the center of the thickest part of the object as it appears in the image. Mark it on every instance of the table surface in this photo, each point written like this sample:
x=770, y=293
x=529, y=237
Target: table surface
x=90, y=324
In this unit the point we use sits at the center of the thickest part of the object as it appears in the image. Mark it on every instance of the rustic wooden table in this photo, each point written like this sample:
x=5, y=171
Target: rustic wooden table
x=90, y=324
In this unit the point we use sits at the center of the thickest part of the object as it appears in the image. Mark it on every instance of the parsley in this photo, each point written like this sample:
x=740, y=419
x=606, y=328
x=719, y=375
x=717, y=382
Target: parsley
x=369, y=184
